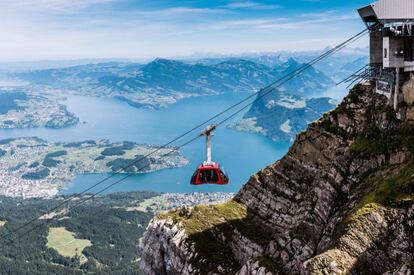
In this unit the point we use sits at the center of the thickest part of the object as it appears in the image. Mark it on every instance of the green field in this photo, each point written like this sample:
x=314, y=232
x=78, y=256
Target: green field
x=65, y=243
x=154, y=204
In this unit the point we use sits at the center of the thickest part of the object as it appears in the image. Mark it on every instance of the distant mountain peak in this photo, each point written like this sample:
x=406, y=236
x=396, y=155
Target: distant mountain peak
x=291, y=61
x=282, y=58
x=164, y=60
x=162, y=63
x=237, y=61
x=159, y=59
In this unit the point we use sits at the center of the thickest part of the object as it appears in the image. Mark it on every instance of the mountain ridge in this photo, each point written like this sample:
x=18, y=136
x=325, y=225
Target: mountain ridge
x=162, y=81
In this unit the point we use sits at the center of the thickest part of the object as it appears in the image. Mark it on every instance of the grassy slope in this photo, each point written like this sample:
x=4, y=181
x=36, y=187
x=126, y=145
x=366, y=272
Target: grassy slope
x=203, y=225
x=211, y=227
x=390, y=187
x=203, y=217
x=66, y=244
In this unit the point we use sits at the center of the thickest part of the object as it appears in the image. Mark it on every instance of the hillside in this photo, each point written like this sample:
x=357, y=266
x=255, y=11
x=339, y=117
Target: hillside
x=340, y=202
x=282, y=116
x=99, y=236
x=163, y=82
x=104, y=231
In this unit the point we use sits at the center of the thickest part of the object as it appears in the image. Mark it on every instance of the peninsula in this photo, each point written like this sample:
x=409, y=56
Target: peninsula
x=31, y=167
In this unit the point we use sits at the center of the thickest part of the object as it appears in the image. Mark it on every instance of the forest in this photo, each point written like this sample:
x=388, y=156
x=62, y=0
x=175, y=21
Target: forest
x=113, y=231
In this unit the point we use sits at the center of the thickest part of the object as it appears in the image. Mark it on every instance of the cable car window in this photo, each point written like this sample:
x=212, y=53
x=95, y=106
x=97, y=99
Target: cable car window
x=222, y=169
x=214, y=175
x=208, y=176
x=194, y=177
x=224, y=178
x=202, y=176
x=223, y=174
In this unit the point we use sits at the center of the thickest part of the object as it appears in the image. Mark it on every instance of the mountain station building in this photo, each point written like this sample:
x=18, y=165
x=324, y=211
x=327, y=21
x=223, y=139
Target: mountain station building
x=391, y=24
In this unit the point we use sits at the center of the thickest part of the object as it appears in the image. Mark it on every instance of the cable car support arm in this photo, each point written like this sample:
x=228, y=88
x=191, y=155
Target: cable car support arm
x=208, y=133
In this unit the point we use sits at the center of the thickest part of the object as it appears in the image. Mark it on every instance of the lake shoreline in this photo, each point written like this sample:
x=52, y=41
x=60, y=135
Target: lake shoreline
x=116, y=121
x=53, y=166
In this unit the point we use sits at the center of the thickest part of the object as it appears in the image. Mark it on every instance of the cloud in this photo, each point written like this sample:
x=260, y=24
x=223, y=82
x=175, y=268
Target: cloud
x=303, y=24
x=246, y=23
x=319, y=14
x=54, y=5
x=250, y=5
x=70, y=29
x=302, y=21
x=183, y=10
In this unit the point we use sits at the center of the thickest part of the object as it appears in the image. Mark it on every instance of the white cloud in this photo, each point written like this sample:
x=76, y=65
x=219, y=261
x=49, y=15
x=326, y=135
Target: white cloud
x=63, y=29
x=183, y=10
x=52, y=5
x=250, y=5
x=306, y=24
x=246, y=23
x=319, y=14
x=284, y=23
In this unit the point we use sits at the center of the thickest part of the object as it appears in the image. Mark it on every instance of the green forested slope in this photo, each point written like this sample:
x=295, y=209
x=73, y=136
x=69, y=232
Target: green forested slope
x=105, y=221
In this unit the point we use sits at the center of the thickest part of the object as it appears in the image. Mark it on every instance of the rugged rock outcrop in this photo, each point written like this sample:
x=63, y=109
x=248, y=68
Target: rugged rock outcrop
x=408, y=96
x=340, y=202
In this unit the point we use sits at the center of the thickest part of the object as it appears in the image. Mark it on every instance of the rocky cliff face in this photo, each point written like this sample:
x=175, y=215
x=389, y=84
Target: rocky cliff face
x=340, y=202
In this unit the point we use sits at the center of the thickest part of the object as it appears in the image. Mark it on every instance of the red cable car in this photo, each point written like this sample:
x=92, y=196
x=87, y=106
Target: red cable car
x=209, y=172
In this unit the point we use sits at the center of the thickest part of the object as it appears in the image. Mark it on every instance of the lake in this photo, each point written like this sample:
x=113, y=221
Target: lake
x=242, y=154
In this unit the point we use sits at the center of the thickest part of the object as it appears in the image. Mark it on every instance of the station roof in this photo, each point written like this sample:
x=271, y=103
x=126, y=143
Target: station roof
x=388, y=11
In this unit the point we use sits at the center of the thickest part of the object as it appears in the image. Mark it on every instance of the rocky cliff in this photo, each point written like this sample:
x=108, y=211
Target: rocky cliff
x=340, y=202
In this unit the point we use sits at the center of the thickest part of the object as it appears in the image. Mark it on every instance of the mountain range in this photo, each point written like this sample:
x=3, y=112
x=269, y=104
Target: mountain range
x=163, y=82
x=280, y=115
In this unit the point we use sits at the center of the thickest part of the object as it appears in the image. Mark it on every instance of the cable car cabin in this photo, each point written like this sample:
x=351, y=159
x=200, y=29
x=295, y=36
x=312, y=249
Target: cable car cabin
x=210, y=174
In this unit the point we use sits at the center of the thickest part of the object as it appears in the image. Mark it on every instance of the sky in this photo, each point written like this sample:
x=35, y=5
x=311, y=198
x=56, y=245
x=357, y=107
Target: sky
x=33, y=30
